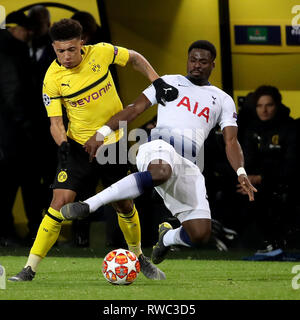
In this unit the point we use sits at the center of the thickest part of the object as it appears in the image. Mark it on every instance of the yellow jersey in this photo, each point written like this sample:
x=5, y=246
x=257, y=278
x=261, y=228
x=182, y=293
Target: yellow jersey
x=87, y=91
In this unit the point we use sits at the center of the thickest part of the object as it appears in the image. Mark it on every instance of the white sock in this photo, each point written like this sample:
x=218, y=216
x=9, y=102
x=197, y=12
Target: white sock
x=172, y=237
x=126, y=188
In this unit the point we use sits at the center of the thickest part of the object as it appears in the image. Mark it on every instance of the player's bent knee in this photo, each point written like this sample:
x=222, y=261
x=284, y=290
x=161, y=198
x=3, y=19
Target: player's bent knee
x=124, y=206
x=60, y=198
x=206, y=236
x=160, y=172
x=198, y=230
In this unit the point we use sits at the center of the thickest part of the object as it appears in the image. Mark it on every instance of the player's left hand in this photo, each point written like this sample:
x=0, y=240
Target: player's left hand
x=93, y=144
x=164, y=91
x=245, y=187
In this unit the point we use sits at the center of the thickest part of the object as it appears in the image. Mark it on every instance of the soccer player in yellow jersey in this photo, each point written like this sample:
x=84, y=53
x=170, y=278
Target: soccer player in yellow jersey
x=79, y=79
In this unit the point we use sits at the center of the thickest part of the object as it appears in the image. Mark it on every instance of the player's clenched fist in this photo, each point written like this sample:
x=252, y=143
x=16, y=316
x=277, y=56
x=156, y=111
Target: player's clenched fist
x=164, y=91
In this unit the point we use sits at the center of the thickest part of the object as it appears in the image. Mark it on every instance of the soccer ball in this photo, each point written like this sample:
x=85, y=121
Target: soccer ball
x=120, y=266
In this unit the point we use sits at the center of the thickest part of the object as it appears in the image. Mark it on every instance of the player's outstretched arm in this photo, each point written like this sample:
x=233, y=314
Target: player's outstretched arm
x=164, y=91
x=142, y=65
x=128, y=114
x=235, y=157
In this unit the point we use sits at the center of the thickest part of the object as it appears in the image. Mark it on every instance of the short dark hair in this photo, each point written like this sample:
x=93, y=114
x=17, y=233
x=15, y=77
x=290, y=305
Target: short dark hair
x=266, y=90
x=65, y=29
x=206, y=45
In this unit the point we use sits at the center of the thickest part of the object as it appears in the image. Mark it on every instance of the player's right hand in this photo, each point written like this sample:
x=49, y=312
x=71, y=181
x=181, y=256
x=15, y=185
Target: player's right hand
x=92, y=145
x=245, y=187
x=63, y=152
x=164, y=91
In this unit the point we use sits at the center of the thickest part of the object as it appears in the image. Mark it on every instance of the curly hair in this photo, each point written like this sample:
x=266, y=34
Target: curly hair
x=65, y=29
x=267, y=90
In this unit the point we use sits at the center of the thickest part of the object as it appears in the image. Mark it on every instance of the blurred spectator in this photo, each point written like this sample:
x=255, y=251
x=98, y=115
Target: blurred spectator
x=91, y=32
x=19, y=152
x=269, y=143
x=41, y=44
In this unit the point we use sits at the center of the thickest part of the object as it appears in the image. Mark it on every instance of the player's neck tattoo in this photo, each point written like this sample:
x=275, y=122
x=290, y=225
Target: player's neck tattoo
x=198, y=82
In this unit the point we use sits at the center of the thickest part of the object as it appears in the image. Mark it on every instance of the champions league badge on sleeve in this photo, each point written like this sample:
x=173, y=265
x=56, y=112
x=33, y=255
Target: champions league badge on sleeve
x=46, y=99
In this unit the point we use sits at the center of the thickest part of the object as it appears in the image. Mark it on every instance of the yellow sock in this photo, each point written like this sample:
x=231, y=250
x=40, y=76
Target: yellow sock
x=130, y=226
x=47, y=234
x=55, y=214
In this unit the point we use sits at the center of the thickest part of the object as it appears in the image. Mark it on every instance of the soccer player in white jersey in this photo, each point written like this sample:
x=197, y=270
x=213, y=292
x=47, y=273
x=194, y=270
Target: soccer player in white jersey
x=170, y=161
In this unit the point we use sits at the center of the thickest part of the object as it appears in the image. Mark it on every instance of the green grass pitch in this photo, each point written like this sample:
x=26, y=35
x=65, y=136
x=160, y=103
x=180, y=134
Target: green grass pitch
x=75, y=274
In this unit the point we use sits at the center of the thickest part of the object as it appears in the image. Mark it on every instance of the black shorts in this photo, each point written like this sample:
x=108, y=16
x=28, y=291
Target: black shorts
x=83, y=176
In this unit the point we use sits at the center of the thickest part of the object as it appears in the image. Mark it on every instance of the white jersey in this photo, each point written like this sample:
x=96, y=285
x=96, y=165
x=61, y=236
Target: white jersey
x=186, y=122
